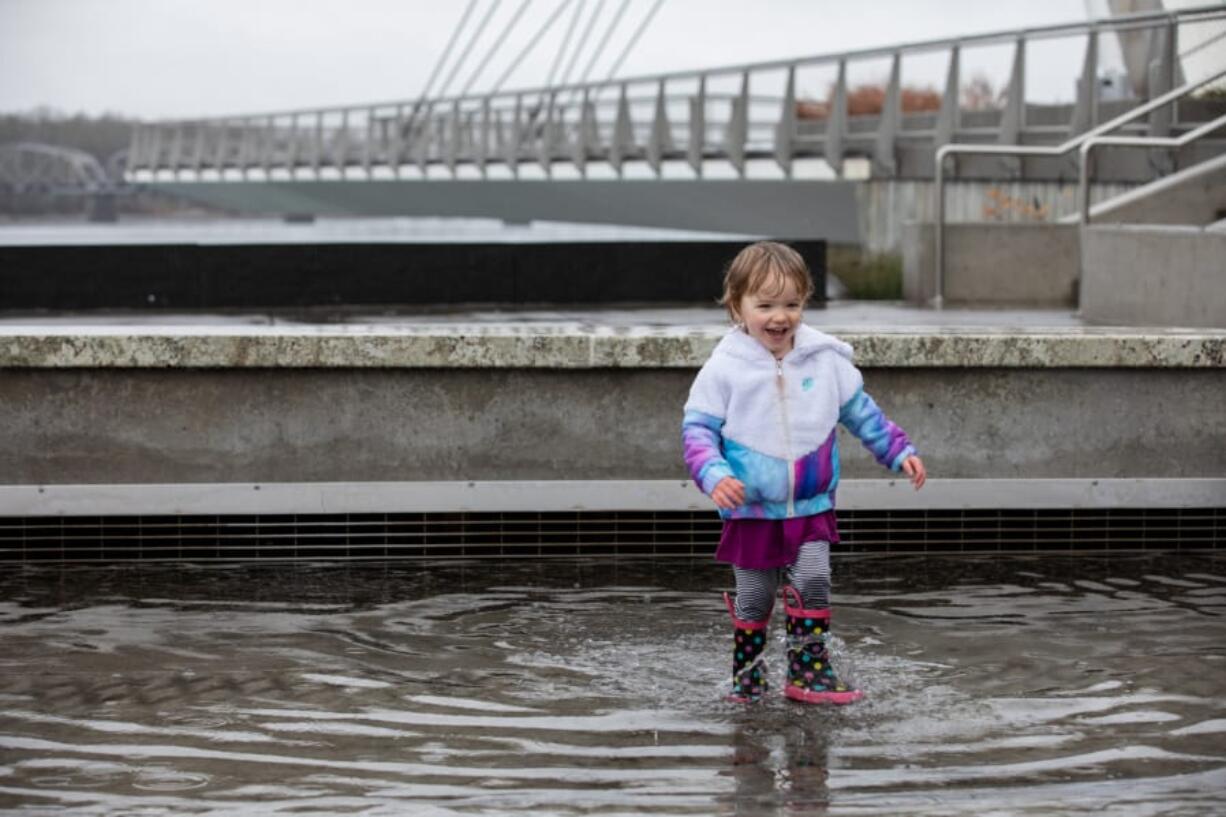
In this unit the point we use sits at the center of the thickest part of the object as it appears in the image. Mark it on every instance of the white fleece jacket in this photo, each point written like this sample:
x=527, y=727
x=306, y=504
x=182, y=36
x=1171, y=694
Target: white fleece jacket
x=772, y=423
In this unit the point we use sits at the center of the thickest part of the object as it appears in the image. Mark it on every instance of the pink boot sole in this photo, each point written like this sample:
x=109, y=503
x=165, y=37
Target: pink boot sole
x=808, y=696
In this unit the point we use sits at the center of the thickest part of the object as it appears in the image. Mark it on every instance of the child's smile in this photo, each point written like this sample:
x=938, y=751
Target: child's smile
x=771, y=318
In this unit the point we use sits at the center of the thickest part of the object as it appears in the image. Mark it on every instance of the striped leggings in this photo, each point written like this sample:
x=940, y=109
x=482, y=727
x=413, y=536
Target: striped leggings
x=809, y=574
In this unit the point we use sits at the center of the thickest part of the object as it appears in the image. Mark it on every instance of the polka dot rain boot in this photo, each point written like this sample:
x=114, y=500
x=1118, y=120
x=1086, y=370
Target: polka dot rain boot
x=748, y=670
x=811, y=679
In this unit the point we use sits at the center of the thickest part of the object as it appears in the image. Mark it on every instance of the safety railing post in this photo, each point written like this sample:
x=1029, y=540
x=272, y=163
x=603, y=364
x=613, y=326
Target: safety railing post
x=512, y=144
x=785, y=129
x=244, y=147
x=587, y=136
x=451, y=145
x=291, y=147
x=198, y=152
x=938, y=231
x=317, y=143
x=738, y=127
x=698, y=127
x=836, y=122
x=340, y=145
x=885, y=156
x=546, y=137
x=1013, y=118
x=1083, y=183
x=396, y=147
x=155, y=149
x=1160, y=76
x=421, y=123
x=369, y=143
x=268, y=149
x=1085, y=109
x=223, y=137
x=622, y=143
x=481, y=150
x=661, y=139
x=176, y=151
x=948, y=117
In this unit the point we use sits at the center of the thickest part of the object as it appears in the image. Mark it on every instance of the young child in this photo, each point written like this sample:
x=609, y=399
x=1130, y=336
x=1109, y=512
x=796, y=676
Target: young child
x=759, y=437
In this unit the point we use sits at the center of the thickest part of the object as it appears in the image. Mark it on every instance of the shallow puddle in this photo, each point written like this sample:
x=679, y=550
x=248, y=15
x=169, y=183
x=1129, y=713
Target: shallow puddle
x=996, y=685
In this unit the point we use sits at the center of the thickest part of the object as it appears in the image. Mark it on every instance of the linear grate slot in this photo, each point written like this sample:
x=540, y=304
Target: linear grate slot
x=542, y=535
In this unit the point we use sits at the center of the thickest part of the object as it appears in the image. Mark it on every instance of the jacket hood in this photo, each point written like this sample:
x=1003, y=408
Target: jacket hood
x=809, y=341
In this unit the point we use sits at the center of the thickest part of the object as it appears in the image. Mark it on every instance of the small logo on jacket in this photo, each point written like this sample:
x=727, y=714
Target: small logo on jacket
x=806, y=384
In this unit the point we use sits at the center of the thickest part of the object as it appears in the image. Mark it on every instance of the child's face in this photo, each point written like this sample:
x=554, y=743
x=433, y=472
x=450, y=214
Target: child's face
x=771, y=316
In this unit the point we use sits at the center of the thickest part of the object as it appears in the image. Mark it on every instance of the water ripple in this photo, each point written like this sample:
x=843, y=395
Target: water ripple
x=1006, y=685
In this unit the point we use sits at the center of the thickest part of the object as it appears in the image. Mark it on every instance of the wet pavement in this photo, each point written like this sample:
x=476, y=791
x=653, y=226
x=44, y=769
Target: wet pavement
x=836, y=316
x=212, y=230
x=996, y=685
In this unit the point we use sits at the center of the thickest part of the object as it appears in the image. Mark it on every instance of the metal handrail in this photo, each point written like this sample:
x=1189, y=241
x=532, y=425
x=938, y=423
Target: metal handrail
x=468, y=129
x=1128, y=22
x=1052, y=151
x=1083, y=174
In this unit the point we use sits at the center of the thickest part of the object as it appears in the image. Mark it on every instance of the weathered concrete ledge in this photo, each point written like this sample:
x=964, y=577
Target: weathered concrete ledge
x=572, y=346
x=589, y=398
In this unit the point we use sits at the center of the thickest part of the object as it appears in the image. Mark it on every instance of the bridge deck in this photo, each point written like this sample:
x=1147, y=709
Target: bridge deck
x=734, y=113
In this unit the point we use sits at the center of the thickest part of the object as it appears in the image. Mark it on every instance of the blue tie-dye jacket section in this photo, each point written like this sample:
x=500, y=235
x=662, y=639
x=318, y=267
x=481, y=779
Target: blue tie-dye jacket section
x=711, y=457
x=885, y=441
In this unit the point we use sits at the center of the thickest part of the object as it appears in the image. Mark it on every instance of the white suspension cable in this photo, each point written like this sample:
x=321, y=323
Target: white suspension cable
x=617, y=64
x=587, y=32
x=604, y=41
x=553, y=18
x=425, y=91
x=442, y=91
x=489, y=54
x=574, y=20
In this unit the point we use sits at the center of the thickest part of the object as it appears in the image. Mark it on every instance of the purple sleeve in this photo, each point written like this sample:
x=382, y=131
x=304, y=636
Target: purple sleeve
x=704, y=458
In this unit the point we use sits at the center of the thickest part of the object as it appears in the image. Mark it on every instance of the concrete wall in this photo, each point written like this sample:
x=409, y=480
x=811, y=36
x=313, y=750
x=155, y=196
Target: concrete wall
x=1154, y=275
x=886, y=205
x=82, y=426
x=994, y=264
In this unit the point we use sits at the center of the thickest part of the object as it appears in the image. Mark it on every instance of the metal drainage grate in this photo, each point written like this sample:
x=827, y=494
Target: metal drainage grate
x=525, y=534
x=1034, y=530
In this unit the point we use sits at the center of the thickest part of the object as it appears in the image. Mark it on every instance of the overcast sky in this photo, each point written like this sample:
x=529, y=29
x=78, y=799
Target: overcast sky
x=184, y=58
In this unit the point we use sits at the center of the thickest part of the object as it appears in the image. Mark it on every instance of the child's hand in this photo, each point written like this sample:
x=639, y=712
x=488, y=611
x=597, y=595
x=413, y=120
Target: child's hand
x=729, y=493
x=913, y=467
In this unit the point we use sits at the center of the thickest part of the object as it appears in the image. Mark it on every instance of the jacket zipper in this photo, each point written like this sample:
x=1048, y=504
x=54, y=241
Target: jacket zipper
x=787, y=436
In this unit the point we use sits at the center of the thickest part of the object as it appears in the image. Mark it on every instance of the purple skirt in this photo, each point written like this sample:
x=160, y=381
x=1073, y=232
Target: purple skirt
x=760, y=544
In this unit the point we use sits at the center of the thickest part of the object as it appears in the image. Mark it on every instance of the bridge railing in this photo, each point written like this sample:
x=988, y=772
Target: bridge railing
x=734, y=113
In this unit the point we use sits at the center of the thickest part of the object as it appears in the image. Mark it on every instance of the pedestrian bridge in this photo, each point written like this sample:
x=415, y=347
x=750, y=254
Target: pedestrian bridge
x=731, y=114
x=746, y=148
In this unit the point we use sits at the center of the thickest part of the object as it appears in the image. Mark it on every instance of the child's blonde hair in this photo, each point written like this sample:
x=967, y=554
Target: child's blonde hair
x=764, y=266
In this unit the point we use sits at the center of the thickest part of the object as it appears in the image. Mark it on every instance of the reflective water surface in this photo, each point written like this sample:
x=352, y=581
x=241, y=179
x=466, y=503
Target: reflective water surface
x=996, y=685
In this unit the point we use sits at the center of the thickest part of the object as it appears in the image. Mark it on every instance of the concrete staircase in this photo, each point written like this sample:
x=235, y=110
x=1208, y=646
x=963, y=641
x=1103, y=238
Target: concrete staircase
x=1157, y=255
x=1152, y=256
